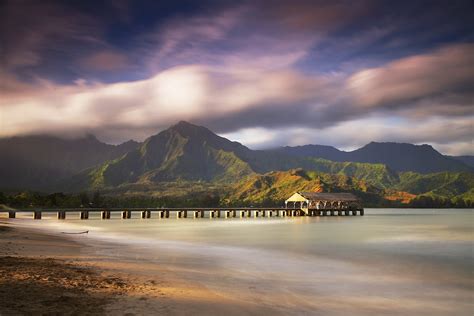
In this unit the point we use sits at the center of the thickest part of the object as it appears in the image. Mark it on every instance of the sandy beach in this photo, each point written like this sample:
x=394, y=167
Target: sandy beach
x=44, y=273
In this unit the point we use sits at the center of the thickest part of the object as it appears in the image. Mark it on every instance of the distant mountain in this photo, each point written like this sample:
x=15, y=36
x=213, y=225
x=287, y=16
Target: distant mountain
x=194, y=153
x=186, y=159
x=317, y=151
x=397, y=156
x=36, y=162
x=467, y=160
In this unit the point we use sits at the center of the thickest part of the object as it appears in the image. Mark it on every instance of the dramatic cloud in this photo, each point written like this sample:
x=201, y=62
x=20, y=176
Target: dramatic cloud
x=186, y=92
x=447, y=74
x=32, y=32
x=105, y=60
x=294, y=73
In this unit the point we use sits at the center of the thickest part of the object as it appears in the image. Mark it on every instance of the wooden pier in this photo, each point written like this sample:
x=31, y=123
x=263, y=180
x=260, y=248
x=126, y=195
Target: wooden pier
x=190, y=212
x=312, y=204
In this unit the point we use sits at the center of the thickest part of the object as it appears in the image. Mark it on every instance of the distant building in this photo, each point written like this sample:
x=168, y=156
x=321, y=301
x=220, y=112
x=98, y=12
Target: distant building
x=322, y=201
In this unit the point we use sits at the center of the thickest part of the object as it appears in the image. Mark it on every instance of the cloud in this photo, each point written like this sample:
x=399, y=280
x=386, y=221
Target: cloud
x=313, y=15
x=442, y=81
x=232, y=98
x=238, y=69
x=105, y=61
x=186, y=92
x=29, y=28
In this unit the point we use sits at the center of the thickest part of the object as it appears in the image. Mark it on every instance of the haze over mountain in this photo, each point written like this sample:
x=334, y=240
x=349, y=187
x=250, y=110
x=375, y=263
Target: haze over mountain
x=467, y=160
x=37, y=162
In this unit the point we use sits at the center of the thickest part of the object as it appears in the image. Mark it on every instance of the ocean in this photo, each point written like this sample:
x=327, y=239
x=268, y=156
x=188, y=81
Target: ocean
x=388, y=262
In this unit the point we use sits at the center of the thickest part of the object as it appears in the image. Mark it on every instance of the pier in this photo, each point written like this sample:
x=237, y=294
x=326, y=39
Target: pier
x=310, y=204
x=181, y=213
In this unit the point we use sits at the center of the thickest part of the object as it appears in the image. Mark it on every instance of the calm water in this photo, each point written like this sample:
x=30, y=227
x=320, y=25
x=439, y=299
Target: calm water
x=389, y=262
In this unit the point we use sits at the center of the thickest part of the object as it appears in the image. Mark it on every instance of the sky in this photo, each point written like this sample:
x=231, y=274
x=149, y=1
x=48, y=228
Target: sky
x=264, y=73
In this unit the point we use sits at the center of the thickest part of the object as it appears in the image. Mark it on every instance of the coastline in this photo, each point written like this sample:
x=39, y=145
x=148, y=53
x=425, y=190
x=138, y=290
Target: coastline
x=43, y=272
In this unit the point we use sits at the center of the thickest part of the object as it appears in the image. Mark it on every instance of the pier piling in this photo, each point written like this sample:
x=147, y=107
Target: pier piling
x=199, y=214
x=84, y=214
x=165, y=214
x=182, y=214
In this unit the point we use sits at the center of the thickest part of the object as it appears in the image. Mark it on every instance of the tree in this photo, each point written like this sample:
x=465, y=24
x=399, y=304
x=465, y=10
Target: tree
x=97, y=199
x=84, y=198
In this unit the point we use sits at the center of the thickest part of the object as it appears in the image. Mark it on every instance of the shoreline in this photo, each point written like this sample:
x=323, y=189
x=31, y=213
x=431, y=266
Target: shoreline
x=46, y=272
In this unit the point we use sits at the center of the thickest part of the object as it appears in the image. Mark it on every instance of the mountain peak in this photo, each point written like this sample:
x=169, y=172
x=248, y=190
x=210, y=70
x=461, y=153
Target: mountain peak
x=90, y=136
x=399, y=146
x=185, y=124
x=187, y=129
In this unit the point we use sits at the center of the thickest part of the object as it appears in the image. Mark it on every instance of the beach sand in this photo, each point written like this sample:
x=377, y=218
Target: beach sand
x=53, y=274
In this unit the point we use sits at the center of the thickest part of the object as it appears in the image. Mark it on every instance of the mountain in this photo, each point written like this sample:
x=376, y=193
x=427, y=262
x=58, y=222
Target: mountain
x=194, y=153
x=35, y=162
x=444, y=188
x=183, y=151
x=449, y=185
x=274, y=187
x=317, y=151
x=467, y=160
x=397, y=156
x=187, y=163
x=407, y=157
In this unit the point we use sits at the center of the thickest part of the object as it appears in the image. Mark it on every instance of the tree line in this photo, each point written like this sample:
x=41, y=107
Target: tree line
x=96, y=199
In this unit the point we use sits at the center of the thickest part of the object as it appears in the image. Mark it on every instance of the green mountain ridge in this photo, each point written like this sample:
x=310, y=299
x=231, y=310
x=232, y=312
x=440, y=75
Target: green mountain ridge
x=450, y=189
x=274, y=187
x=193, y=153
x=186, y=161
x=183, y=151
x=443, y=184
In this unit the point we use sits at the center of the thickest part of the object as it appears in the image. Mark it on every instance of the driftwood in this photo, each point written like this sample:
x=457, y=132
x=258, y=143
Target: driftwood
x=84, y=232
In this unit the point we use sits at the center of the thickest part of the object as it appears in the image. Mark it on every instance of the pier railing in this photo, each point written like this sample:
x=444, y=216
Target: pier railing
x=185, y=212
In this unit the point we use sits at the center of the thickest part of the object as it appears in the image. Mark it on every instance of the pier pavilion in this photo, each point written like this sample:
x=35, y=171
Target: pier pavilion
x=314, y=202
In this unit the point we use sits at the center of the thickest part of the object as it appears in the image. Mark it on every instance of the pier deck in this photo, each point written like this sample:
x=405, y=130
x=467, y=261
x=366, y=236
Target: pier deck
x=186, y=212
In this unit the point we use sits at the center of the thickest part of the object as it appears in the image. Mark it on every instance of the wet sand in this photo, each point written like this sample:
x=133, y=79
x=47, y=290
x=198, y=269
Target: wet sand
x=52, y=274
